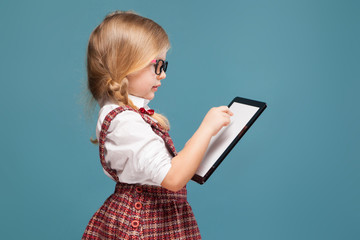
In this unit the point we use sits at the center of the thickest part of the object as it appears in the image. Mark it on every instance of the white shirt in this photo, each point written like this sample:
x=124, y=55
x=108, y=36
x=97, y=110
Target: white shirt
x=132, y=148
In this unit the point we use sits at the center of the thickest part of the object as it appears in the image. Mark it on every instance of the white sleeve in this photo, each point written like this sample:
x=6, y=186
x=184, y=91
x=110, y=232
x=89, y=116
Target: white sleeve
x=137, y=153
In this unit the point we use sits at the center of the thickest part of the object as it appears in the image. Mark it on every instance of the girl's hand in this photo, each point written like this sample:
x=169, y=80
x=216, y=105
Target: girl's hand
x=185, y=164
x=215, y=119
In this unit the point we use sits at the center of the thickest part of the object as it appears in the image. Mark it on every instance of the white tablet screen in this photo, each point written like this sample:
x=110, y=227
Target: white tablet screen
x=219, y=143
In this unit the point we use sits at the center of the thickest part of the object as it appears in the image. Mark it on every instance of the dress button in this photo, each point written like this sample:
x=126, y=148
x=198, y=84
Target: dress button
x=138, y=205
x=135, y=223
x=138, y=189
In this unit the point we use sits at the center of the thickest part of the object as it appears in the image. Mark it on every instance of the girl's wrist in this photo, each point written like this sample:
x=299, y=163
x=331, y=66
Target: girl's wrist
x=205, y=131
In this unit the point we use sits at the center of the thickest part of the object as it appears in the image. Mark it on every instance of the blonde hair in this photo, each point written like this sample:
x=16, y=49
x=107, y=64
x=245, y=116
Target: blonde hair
x=123, y=43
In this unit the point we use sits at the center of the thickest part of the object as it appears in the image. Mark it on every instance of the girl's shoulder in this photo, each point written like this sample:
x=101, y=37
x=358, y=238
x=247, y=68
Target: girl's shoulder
x=126, y=124
x=121, y=117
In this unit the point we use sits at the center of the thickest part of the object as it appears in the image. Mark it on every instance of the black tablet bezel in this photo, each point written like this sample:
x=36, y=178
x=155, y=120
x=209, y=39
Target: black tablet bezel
x=261, y=106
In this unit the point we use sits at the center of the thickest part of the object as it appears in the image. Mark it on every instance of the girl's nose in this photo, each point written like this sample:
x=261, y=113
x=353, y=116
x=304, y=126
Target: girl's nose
x=161, y=76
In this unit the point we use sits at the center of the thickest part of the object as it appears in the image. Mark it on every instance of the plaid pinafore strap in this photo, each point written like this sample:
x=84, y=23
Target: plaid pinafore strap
x=105, y=126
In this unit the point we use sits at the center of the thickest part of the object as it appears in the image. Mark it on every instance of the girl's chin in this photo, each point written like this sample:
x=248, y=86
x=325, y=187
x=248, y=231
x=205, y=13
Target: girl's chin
x=150, y=96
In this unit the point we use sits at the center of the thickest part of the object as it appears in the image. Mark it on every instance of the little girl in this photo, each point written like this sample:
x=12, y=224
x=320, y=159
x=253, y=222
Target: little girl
x=126, y=61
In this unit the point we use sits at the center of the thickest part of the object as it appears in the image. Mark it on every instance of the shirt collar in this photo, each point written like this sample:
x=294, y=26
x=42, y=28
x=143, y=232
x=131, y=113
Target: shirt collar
x=139, y=102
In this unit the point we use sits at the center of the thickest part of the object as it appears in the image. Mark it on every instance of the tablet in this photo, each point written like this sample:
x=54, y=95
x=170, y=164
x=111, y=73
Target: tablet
x=246, y=112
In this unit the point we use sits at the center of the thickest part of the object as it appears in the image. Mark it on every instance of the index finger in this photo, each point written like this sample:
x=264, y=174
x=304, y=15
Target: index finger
x=226, y=110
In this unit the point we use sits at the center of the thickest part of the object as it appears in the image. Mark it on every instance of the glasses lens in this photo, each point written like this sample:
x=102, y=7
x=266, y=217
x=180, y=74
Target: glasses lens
x=160, y=65
x=165, y=66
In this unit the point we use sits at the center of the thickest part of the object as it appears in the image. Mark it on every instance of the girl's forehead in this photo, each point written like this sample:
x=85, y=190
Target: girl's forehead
x=162, y=55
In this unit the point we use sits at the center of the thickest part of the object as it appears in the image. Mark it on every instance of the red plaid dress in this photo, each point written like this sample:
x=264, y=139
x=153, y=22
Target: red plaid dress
x=136, y=211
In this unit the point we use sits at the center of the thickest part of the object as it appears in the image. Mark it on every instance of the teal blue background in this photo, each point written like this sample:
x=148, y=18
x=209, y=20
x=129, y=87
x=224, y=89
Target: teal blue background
x=294, y=175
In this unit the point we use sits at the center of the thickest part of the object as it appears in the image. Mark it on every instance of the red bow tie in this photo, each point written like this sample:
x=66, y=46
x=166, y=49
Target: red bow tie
x=149, y=111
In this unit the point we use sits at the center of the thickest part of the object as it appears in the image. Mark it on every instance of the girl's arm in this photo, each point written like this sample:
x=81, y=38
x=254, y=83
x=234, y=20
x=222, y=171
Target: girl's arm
x=185, y=164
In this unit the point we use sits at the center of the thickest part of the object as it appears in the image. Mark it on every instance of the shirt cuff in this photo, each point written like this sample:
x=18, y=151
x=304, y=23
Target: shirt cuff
x=163, y=171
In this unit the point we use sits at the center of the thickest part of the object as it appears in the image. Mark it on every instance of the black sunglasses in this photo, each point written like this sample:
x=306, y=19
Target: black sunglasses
x=160, y=65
